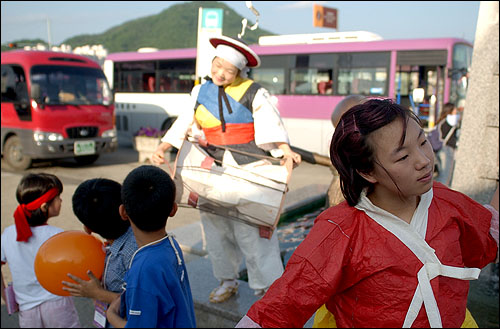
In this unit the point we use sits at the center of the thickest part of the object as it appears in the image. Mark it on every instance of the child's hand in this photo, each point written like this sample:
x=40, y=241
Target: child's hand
x=82, y=288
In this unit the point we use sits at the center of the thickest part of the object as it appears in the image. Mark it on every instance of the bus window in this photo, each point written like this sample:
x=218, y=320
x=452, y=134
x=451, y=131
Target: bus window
x=15, y=90
x=310, y=81
x=133, y=76
x=364, y=81
x=70, y=85
x=301, y=81
x=176, y=81
x=148, y=82
x=362, y=73
x=130, y=82
x=176, y=76
x=312, y=74
x=271, y=79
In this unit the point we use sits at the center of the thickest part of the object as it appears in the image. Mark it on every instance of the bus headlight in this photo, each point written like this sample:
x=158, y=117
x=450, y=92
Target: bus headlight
x=109, y=133
x=41, y=136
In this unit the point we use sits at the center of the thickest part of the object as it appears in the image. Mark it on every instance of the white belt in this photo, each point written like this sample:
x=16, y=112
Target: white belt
x=425, y=295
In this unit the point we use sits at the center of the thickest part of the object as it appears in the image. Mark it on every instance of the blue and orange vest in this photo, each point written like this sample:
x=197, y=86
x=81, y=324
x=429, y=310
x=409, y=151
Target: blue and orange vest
x=225, y=114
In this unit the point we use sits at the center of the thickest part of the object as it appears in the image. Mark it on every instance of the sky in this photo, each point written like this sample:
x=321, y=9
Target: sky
x=389, y=19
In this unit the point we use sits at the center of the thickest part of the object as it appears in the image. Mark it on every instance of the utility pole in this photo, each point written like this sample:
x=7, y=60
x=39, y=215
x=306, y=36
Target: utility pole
x=48, y=33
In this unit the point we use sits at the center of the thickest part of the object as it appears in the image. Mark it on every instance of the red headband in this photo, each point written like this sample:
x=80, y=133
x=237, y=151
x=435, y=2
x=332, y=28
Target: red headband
x=23, y=211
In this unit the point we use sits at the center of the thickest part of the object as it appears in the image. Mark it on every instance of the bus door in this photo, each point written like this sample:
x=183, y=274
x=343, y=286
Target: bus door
x=423, y=70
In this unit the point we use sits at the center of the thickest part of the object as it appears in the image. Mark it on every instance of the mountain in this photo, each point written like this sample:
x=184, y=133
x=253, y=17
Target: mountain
x=175, y=27
x=22, y=42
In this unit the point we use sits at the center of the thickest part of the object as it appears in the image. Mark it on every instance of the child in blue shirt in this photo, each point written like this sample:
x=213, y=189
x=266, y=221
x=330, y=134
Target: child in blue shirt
x=157, y=292
x=96, y=203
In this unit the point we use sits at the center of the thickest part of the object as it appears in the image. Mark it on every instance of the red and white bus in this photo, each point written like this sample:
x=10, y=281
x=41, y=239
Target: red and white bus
x=307, y=80
x=54, y=105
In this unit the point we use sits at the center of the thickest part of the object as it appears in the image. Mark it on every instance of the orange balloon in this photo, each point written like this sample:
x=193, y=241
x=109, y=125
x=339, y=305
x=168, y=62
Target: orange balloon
x=73, y=252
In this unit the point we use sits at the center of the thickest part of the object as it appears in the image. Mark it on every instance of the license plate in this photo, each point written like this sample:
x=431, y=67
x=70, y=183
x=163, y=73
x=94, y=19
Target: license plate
x=84, y=147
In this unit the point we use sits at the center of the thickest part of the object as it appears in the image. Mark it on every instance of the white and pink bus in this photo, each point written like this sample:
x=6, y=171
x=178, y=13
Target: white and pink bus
x=306, y=74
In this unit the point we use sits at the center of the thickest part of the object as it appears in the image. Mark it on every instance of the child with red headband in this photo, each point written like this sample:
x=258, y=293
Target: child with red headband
x=39, y=197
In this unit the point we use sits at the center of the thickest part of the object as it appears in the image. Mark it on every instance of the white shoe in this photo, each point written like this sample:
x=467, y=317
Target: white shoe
x=225, y=290
x=259, y=292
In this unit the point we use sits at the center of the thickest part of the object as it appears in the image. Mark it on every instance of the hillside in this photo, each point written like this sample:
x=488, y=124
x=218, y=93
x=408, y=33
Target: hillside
x=175, y=27
x=21, y=42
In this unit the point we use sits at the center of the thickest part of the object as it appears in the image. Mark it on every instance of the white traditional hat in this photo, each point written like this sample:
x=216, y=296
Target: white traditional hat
x=232, y=50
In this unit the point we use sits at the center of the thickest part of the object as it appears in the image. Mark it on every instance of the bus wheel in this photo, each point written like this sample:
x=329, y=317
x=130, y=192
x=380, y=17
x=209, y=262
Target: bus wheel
x=86, y=159
x=13, y=154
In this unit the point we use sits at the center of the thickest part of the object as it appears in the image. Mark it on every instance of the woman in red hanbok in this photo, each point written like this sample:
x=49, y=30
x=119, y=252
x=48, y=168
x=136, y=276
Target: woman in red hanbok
x=400, y=250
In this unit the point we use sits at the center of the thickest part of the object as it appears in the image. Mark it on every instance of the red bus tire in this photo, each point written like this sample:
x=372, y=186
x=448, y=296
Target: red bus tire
x=13, y=154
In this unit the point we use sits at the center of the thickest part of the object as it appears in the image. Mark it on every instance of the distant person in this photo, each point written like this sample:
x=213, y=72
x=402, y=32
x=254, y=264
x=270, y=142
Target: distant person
x=233, y=112
x=400, y=251
x=157, y=291
x=39, y=197
x=448, y=125
x=96, y=203
x=334, y=194
x=151, y=84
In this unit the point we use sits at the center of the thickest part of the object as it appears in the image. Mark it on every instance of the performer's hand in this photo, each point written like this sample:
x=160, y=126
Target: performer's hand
x=288, y=153
x=296, y=158
x=158, y=157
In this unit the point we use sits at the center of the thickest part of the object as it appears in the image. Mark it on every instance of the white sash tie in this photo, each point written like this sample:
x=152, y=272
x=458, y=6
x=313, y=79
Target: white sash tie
x=424, y=294
x=413, y=236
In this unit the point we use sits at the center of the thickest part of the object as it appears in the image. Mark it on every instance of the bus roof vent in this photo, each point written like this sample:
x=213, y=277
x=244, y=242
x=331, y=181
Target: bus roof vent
x=66, y=59
x=329, y=37
x=147, y=50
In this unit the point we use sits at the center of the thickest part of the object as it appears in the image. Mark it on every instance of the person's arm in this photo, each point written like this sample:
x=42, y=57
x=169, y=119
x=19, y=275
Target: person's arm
x=113, y=314
x=269, y=128
x=158, y=157
x=494, y=200
x=177, y=132
x=91, y=288
x=3, y=287
x=493, y=208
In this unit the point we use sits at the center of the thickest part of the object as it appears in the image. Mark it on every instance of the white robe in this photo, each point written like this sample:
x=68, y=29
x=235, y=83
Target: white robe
x=225, y=238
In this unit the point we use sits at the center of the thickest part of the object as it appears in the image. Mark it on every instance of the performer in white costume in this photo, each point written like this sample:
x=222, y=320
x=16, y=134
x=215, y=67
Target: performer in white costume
x=233, y=111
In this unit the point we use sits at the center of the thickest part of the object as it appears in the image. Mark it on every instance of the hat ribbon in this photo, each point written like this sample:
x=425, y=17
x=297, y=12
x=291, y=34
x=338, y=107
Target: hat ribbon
x=222, y=94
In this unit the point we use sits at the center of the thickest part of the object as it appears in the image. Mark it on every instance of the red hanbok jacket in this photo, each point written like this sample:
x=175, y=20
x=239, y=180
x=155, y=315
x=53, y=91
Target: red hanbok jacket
x=368, y=276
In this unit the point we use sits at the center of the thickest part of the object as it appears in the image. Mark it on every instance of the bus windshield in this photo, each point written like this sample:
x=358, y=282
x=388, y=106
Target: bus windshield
x=60, y=85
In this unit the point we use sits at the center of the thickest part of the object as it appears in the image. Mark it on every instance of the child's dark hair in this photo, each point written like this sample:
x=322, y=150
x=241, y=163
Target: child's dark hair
x=31, y=187
x=96, y=203
x=148, y=195
x=351, y=151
